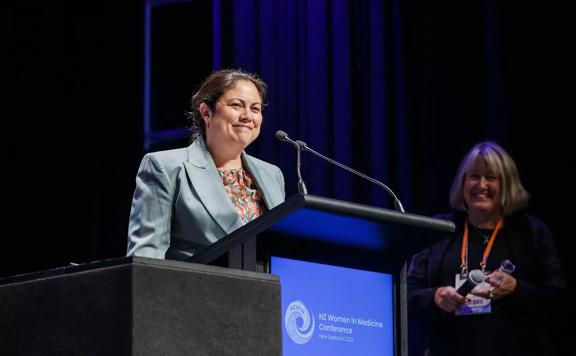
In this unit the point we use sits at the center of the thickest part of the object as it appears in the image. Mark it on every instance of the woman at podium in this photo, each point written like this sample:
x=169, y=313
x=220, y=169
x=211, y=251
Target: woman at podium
x=508, y=313
x=188, y=198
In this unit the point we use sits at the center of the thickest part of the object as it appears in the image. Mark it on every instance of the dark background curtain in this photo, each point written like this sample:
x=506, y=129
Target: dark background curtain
x=399, y=90
x=336, y=83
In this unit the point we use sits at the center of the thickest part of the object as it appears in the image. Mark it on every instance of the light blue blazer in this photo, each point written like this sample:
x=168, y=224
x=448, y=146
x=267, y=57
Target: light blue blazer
x=180, y=204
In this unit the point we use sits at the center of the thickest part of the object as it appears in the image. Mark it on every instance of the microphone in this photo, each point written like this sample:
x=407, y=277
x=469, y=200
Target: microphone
x=283, y=136
x=397, y=202
x=475, y=277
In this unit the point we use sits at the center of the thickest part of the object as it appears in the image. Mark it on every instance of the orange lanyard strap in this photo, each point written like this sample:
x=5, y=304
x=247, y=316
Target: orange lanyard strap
x=464, y=252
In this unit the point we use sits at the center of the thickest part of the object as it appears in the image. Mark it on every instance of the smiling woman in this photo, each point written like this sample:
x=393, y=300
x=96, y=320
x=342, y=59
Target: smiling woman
x=488, y=199
x=233, y=123
x=189, y=198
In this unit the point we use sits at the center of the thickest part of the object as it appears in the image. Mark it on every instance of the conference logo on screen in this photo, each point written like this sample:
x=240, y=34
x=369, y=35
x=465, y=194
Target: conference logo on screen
x=299, y=322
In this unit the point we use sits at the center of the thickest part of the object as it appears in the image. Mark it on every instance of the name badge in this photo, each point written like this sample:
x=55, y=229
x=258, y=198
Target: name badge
x=474, y=304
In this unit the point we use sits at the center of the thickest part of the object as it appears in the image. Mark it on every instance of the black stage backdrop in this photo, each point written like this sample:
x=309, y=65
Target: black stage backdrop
x=399, y=90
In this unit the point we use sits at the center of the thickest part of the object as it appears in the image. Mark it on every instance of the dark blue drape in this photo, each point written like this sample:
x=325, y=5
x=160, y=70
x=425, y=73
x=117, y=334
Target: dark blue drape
x=335, y=73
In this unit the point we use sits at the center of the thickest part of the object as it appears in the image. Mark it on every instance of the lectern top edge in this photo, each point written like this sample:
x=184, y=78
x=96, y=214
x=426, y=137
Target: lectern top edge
x=325, y=205
x=373, y=213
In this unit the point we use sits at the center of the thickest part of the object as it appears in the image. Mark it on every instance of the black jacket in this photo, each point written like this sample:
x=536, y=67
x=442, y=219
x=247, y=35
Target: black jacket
x=527, y=310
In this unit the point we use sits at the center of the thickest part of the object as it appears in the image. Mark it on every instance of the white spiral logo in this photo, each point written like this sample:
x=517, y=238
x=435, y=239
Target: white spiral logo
x=299, y=334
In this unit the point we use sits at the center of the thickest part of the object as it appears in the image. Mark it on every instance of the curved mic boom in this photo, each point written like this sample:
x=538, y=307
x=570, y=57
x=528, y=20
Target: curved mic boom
x=397, y=202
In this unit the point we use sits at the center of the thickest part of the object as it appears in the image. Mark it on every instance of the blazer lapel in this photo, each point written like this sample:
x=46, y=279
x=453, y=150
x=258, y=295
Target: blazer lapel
x=206, y=182
x=267, y=185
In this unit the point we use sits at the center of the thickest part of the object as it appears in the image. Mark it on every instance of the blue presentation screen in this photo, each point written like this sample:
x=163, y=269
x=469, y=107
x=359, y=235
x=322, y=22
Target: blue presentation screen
x=330, y=310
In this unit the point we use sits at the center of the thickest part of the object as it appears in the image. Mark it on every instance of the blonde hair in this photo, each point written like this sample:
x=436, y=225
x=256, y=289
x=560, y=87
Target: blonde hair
x=514, y=196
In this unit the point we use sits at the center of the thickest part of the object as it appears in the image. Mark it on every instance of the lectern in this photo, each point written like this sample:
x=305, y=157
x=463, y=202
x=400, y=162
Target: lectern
x=313, y=276
x=347, y=244
x=140, y=306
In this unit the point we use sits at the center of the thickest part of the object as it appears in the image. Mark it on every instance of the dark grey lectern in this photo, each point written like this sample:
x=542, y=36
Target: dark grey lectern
x=327, y=231
x=140, y=306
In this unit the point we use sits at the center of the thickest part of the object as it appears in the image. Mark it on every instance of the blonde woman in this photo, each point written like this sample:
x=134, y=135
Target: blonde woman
x=508, y=314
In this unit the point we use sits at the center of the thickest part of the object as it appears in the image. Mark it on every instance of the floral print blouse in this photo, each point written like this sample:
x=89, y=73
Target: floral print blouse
x=243, y=193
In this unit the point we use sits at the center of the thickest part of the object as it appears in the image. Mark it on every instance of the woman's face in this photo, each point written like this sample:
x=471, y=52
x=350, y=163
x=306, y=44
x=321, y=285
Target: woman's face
x=237, y=116
x=482, y=189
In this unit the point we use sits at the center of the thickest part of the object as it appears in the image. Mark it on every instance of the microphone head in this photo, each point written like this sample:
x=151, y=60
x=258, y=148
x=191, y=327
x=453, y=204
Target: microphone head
x=281, y=135
x=301, y=143
x=476, y=276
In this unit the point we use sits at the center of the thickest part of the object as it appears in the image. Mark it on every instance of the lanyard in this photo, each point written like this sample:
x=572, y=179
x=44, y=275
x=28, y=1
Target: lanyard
x=464, y=253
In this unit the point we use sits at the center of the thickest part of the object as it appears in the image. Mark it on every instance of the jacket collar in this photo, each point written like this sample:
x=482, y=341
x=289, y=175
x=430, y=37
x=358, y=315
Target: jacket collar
x=207, y=184
x=265, y=186
x=517, y=230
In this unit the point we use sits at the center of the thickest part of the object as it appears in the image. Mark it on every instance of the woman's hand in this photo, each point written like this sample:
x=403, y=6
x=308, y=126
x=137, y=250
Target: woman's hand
x=448, y=299
x=502, y=284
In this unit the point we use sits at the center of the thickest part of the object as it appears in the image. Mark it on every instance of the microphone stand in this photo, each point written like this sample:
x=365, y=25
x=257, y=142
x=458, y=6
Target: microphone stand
x=301, y=186
x=283, y=136
x=397, y=203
